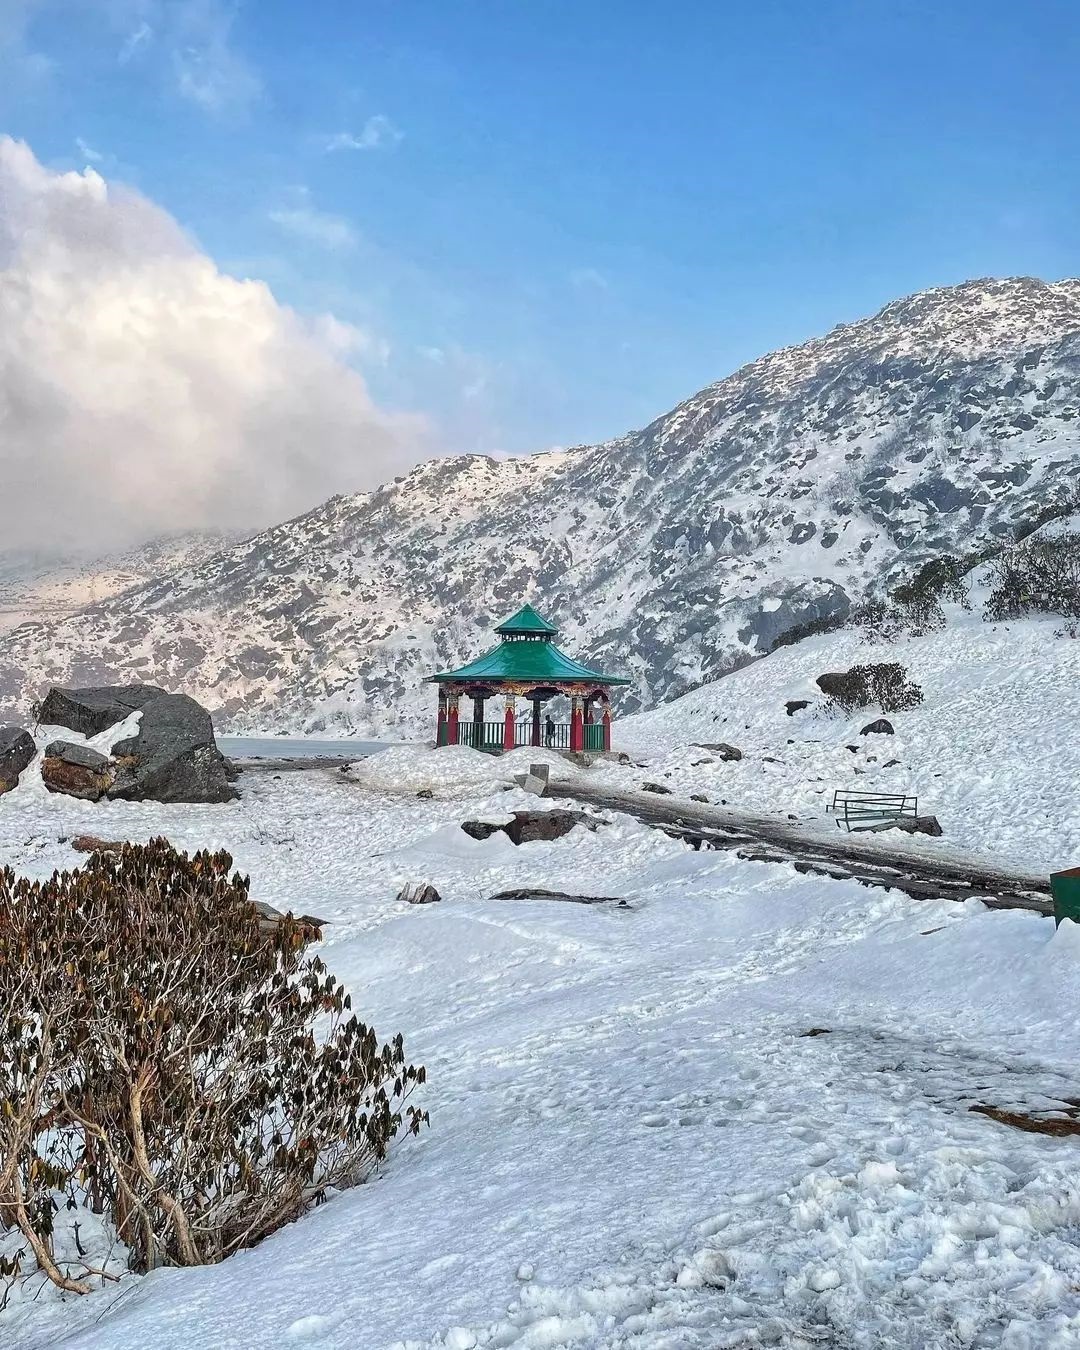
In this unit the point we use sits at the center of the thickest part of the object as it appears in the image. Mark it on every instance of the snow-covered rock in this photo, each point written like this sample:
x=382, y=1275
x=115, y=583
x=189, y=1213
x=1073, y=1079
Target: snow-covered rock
x=676, y=552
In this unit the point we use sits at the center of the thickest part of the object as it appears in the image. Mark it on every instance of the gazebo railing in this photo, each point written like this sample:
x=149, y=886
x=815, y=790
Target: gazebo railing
x=481, y=735
x=491, y=735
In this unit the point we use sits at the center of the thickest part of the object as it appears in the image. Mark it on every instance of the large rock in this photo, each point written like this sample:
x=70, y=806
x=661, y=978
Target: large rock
x=17, y=749
x=76, y=771
x=174, y=757
x=530, y=827
x=880, y=727
x=90, y=711
x=721, y=749
x=918, y=825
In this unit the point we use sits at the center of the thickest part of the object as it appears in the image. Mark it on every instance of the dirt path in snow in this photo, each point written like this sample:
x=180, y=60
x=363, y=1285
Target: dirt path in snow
x=872, y=861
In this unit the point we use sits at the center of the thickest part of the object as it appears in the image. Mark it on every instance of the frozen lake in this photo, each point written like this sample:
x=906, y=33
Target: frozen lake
x=297, y=747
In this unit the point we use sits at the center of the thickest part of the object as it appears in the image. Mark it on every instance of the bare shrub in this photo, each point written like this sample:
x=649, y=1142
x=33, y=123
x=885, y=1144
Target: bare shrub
x=1037, y=576
x=198, y=1079
x=884, y=685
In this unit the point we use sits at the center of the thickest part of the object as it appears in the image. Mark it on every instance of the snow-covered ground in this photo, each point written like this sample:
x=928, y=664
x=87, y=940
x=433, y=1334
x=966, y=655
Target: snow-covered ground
x=993, y=751
x=633, y=1140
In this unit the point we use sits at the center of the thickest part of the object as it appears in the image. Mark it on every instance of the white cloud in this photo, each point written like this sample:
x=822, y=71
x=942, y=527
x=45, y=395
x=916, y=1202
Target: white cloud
x=137, y=39
x=142, y=390
x=313, y=226
x=87, y=152
x=377, y=133
x=208, y=71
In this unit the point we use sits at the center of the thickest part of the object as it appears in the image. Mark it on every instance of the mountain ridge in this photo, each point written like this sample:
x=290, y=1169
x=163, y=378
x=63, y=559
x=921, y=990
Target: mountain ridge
x=779, y=494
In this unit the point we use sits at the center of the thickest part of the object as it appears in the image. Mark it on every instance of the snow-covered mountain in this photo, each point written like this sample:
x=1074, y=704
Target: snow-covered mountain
x=40, y=586
x=778, y=495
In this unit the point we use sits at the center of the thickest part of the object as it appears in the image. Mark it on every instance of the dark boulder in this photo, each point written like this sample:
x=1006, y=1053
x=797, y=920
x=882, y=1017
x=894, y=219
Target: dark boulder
x=881, y=727
x=794, y=705
x=656, y=787
x=833, y=682
x=17, y=749
x=722, y=751
x=174, y=757
x=90, y=711
x=530, y=827
x=698, y=797
x=76, y=771
x=538, y=893
x=918, y=825
x=481, y=829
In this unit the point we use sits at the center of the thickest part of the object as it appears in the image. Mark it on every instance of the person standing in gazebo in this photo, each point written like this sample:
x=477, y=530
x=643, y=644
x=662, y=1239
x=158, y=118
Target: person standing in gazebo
x=549, y=730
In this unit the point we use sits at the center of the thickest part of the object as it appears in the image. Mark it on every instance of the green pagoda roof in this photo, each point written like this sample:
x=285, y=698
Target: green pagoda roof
x=526, y=620
x=530, y=662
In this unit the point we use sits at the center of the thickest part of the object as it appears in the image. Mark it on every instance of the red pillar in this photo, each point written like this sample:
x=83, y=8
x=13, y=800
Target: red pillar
x=577, y=726
x=452, y=721
x=607, y=727
x=440, y=730
x=508, y=725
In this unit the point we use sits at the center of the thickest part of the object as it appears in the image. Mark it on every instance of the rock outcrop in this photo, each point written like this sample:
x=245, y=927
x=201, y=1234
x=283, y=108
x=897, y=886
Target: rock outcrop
x=881, y=726
x=530, y=827
x=17, y=749
x=174, y=757
x=77, y=771
x=91, y=711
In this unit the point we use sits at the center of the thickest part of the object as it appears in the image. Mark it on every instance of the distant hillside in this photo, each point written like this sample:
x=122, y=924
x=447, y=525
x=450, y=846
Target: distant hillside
x=779, y=495
x=43, y=587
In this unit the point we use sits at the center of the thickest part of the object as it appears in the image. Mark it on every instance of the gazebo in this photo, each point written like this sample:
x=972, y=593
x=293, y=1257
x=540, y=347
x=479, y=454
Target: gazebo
x=526, y=664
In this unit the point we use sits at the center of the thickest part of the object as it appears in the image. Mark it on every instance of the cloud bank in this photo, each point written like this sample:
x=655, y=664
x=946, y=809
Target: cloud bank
x=143, y=391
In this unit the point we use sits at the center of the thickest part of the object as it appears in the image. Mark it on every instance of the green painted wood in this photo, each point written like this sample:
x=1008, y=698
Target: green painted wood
x=527, y=622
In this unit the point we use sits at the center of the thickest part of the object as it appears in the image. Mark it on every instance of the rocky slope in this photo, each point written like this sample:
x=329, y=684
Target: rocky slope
x=42, y=586
x=779, y=494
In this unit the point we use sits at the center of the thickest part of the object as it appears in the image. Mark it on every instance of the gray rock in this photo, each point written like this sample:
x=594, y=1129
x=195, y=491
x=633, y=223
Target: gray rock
x=794, y=705
x=721, y=750
x=698, y=797
x=17, y=749
x=480, y=829
x=918, y=825
x=881, y=727
x=424, y=894
x=76, y=771
x=82, y=756
x=530, y=827
x=538, y=893
x=89, y=711
x=174, y=757
x=656, y=787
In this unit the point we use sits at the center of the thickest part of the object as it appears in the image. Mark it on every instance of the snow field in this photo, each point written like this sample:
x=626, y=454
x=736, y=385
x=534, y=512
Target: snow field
x=993, y=752
x=633, y=1140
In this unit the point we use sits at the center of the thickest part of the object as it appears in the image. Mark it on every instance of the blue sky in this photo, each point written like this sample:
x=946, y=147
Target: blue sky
x=554, y=220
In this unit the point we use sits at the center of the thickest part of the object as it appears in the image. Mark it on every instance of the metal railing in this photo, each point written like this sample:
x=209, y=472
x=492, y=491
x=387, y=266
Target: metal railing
x=490, y=736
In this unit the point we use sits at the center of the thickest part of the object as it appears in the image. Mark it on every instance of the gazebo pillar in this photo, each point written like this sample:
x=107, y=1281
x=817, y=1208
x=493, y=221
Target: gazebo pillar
x=536, y=722
x=452, y=720
x=577, y=724
x=440, y=729
x=607, y=726
x=508, y=723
